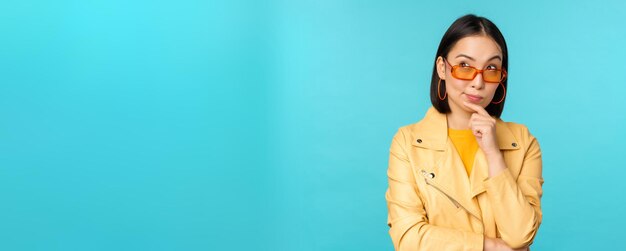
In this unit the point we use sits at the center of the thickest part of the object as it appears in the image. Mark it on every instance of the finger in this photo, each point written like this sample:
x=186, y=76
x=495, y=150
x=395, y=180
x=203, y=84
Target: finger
x=477, y=133
x=481, y=117
x=483, y=128
x=477, y=118
x=481, y=120
x=479, y=109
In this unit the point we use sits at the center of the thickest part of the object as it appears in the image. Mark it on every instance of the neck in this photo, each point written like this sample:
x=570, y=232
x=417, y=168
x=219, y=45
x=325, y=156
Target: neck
x=458, y=119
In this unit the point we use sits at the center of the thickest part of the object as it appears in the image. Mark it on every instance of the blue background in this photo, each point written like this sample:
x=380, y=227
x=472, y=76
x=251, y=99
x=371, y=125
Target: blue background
x=266, y=125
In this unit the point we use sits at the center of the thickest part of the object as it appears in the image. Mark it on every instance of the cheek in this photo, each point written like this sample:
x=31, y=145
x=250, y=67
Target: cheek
x=455, y=86
x=492, y=89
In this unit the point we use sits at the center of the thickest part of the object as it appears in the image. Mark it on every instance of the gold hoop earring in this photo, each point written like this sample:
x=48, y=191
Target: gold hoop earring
x=503, y=94
x=439, y=92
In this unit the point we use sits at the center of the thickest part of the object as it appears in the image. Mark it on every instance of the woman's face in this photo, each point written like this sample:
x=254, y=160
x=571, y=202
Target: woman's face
x=481, y=52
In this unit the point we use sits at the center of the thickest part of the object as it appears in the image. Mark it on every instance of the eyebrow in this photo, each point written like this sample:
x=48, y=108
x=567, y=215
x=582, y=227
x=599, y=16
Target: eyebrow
x=471, y=58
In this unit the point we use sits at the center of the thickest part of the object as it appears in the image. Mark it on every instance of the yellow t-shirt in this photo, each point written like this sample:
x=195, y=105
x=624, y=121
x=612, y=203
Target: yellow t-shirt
x=466, y=145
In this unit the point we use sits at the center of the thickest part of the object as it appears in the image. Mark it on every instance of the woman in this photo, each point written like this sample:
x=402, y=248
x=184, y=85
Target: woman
x=461, y=178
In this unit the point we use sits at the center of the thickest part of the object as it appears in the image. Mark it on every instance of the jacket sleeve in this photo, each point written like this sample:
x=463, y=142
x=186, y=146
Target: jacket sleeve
x=516, y=203
x=407, y=217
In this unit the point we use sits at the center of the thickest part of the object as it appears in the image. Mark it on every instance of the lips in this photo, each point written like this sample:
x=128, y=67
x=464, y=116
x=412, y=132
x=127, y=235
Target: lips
x=473, y=98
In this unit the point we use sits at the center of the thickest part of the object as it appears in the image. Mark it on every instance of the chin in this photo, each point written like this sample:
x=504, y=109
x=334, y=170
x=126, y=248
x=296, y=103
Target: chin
x=468, y=109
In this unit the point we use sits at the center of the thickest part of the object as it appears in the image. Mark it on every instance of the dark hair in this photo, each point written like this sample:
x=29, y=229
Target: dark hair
x=465, y=26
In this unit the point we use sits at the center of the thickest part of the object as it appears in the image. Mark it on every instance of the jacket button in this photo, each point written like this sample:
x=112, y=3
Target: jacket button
x=431, y=175
x=419, y=140
x=514, y=144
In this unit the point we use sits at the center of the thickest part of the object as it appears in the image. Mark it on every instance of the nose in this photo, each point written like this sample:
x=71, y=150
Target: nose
x=477, y=82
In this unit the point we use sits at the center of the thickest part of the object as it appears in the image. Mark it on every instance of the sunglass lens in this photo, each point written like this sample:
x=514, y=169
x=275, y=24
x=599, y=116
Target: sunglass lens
x=466, y=73
x=492, y=76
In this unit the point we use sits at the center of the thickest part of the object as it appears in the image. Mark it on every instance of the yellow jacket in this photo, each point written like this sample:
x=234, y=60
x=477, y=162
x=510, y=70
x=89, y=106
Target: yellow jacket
x=433, y=205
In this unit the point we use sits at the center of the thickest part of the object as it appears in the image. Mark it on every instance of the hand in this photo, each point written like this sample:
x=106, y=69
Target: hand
x=497, y=244
x=484, y=128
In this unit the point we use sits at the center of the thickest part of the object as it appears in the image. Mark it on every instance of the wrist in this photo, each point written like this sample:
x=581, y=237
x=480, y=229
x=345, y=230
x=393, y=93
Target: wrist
x=496, y=164
x=494, y=155
x=488, y=244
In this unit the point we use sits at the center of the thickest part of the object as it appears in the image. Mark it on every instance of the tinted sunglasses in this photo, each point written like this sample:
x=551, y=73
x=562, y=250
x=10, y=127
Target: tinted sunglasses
x=469, y=73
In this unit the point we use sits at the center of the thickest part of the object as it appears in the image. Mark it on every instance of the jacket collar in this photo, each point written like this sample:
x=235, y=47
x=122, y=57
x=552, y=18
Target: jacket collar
x=432, y=132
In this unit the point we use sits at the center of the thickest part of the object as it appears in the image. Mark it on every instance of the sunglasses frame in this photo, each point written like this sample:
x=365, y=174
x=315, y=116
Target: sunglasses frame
x=476, y=72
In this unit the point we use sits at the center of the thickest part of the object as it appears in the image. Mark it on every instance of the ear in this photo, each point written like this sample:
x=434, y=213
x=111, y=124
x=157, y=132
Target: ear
x=441, y=68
